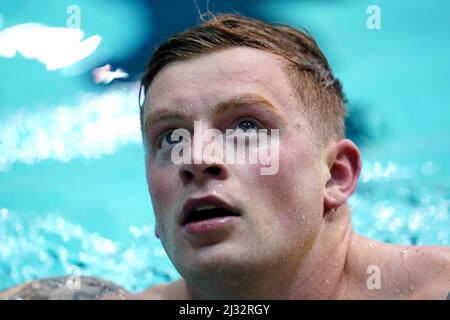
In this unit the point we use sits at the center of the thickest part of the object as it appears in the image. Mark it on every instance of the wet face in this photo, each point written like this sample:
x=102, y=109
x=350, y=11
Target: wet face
x=271, y=218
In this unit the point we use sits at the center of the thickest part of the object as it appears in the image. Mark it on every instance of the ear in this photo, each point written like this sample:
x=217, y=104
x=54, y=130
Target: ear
x=344, y=164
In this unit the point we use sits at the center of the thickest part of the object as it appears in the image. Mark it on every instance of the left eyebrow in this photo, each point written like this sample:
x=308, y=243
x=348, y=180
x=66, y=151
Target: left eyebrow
x=245, y=101
x=249, y=100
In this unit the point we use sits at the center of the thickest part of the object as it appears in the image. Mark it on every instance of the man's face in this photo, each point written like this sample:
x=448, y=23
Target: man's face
x=279, y=215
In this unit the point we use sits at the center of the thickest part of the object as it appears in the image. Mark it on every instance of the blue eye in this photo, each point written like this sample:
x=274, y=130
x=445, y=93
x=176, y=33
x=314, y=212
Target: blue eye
x=245, y=125
x=168, y=139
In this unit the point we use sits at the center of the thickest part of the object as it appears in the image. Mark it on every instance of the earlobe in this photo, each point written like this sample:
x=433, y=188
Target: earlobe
x=344, y=168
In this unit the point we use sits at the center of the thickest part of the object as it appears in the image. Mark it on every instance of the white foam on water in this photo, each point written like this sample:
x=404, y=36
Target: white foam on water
x=50, y=245
x=98, y=125
x=55, y=47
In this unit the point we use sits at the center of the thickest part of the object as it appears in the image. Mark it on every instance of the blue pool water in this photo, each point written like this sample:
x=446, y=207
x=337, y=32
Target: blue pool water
x=73, y=194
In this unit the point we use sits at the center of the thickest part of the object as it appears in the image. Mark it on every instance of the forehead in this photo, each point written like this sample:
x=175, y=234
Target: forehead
x=218, y=76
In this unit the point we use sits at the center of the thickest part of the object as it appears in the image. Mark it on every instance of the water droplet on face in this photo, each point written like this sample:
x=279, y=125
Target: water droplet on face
x=336, y=264
x=404, y=253
x=327, y=282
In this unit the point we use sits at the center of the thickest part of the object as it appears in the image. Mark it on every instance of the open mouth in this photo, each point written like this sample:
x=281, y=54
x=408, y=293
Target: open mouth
x=206, y=208
x=206, y=212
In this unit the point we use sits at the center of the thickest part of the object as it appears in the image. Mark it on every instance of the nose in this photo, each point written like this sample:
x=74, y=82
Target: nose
x=203, y=165
x=202, y=171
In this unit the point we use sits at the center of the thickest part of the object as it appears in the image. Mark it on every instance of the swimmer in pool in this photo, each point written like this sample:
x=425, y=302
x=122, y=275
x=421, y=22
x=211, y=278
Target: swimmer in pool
x=236, y=232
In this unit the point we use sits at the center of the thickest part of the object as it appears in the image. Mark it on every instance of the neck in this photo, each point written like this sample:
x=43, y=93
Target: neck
x=321, y=273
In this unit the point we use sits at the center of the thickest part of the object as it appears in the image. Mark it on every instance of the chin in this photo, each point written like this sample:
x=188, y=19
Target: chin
x=216, y=258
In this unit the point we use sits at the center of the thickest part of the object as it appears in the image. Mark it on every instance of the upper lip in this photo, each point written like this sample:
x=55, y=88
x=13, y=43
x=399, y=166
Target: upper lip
x=193, y=203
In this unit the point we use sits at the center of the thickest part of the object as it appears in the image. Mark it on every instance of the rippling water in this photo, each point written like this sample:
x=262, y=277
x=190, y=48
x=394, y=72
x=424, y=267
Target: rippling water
x=51, y=245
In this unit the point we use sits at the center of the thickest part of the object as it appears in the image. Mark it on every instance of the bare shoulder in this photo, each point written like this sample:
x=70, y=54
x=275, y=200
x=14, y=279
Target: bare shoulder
x=87, y=288
x=174, y=290
x=431, y=265
x=404, y=272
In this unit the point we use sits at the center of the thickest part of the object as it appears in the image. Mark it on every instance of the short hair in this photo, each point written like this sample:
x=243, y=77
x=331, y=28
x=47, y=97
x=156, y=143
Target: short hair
x=307, y=67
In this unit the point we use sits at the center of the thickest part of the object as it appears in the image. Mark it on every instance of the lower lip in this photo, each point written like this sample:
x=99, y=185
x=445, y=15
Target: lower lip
x=209, y=225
